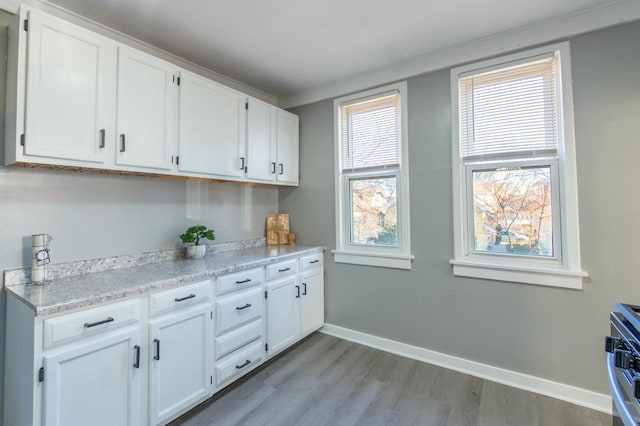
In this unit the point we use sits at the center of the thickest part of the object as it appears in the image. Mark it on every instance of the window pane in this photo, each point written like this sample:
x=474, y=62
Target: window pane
x=374, y=213
x=512, y=211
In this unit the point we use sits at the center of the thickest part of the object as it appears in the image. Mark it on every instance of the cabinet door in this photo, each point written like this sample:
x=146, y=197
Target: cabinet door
x=283, y=315
x=261, y=141
x=147, y=110
x=70, y=91
x=95, y=383
x=180, y=361
x=212, y=127
x=312, y=301
x=288, y=134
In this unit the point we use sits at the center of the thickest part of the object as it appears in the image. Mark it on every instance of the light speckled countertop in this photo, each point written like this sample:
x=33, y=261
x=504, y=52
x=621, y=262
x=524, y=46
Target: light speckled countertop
x=79, y=291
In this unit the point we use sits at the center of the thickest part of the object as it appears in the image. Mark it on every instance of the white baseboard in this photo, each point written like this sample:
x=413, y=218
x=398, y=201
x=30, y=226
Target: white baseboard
x=572, y=394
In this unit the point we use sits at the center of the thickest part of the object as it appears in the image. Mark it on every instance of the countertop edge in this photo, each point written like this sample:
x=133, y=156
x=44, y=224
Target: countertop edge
x=161, y=284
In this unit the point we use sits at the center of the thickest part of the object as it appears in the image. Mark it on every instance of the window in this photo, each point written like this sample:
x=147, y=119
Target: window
x=372, y=178
x=514, y=173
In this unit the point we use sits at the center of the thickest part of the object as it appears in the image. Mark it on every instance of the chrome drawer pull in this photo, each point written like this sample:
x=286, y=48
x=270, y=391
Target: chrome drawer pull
x=239, y=308
x=157, y=355
x=93, y=324
x=244, y=281
x=304, y=292
x=284, y=270
x=191, y=296
x=247, y=362
x=315, y=261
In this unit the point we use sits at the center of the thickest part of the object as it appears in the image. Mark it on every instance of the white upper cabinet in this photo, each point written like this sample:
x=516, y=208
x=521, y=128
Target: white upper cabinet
x=287, y=142
x=261, y=141
x=212, y=128
x=70, y=91
x=147, y=110
x=77, y=98
x=272, y=144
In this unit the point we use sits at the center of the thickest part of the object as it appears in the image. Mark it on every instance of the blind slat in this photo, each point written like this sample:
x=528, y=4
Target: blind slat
x=509, y=110
x=370, y=133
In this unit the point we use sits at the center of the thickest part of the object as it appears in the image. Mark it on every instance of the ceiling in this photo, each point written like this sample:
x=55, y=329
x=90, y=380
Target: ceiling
x=286, y=47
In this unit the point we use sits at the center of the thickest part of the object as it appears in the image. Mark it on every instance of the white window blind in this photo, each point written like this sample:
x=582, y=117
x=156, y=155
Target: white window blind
x=370, y=133
x=509, y=110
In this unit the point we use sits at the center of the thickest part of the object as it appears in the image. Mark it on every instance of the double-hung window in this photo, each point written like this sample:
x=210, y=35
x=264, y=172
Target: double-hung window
x=514, y=172
x=372, y=179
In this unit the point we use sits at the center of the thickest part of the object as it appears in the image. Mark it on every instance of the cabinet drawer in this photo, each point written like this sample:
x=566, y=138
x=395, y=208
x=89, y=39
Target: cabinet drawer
x=239, y=363
x=282, y=269
x=237, y=309
x=311, y=261
x=238, y=280
x=89, y=322
x=179, y=297
x=236, y=339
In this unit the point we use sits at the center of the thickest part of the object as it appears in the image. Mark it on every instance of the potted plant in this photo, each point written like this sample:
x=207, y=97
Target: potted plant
x=193, y=236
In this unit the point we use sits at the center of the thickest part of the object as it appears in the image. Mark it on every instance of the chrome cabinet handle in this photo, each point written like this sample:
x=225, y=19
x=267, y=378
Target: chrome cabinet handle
x=281, y=168
x=102, y=133
x=241, y=163
x=191, y=296
x=247, y=362
x=284, y=270
x=93, y=324
x=304, y=292
x=157, y=355
x=137, y=363
x=244, y=281
x=315, y=261
x=273, y=168
x=239, y=308
x=298, y=292
x=123, y=145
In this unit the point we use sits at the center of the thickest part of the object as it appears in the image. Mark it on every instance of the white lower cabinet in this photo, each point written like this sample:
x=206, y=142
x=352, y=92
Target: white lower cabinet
x=283, y=315
x=180, y=361
x=311, y=301
x=295, y=305
x=149, y=359
x=97, y=382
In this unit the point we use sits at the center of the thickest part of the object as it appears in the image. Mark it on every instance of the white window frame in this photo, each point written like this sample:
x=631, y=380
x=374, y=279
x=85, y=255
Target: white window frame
x=382, y=256
x=561, y=270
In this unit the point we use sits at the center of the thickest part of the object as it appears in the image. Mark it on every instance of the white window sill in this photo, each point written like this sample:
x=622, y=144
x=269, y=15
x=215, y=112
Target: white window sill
x=382, y=260
x=551, y=277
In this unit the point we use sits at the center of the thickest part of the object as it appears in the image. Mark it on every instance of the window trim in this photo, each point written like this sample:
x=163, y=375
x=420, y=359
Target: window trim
x=566, y=271
x=387, y=257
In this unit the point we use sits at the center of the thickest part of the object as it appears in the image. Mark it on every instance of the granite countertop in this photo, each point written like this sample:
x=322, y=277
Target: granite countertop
x=88, y=289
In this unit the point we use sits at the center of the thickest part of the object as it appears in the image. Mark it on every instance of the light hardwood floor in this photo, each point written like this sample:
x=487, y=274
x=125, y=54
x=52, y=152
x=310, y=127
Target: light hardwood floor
x=329, y=381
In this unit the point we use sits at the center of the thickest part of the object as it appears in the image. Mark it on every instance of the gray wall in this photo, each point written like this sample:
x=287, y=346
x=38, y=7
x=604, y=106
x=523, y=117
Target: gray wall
x=92, y=215
x=547, y=332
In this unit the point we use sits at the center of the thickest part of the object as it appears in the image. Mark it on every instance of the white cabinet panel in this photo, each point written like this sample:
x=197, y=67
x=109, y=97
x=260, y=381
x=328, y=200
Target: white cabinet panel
x=311, y=301
x=288, y=146
x=70, y=92
x=283, y=314
x=239, y=363
x=261, y=141
x=212, y=127
x=237, y=309
x=94, y=383
x=180, y=361
x=147, y=110
x=229, y=342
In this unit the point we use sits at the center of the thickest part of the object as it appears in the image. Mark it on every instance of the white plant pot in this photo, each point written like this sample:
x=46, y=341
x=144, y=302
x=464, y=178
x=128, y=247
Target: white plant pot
x=196, y=252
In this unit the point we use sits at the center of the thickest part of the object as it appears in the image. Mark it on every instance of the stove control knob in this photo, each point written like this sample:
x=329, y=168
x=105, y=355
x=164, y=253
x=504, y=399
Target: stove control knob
x=623, y=359
x=611, y=344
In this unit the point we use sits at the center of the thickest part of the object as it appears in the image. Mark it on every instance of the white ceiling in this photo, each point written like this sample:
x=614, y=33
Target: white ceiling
x=286, y=47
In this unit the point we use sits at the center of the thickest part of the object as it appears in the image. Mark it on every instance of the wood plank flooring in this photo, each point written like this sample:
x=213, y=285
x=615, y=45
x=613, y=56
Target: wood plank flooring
x=329, y=381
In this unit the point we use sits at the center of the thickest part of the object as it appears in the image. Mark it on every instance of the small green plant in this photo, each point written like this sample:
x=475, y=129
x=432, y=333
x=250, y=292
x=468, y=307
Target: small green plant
x=194, y=234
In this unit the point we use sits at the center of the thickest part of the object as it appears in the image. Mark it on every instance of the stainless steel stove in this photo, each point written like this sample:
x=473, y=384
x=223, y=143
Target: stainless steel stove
x=623, y=362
